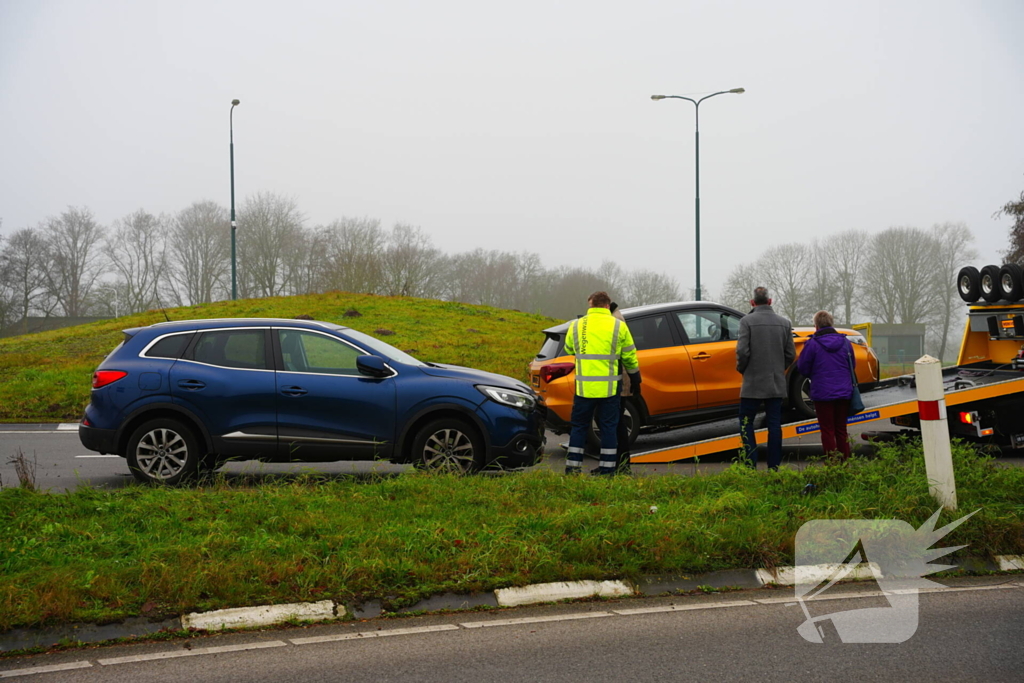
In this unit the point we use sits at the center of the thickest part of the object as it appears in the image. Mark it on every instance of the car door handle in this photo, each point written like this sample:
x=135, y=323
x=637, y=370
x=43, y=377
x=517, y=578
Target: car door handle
x=703, y=355
x=191, y=384
x=293, y=391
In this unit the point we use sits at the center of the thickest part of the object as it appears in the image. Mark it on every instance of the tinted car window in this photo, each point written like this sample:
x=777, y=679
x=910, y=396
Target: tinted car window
x=702, y=327
x=552, y=347
x=169, y=347
x=303, y=351
x=651, y=332
x=730, y=327
x=244, y=349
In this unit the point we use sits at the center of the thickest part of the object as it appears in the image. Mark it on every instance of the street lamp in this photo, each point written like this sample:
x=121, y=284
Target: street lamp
x=231, y=127
x=696, y=109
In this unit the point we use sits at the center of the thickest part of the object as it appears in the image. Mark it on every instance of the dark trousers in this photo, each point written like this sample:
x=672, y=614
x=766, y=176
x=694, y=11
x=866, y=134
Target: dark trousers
x=832, y=420
x=773, y=414
x=606, y=413
x=622, y=439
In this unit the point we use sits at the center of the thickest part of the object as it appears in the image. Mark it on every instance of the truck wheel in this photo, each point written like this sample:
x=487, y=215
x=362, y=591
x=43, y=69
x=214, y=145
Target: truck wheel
x=163, y=451
x=990, y=284
x=1011, y=284
x=800, y=396
x=968, y=284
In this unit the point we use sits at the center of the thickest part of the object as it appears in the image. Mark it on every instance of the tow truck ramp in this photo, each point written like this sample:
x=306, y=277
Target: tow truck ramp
x=894, y=399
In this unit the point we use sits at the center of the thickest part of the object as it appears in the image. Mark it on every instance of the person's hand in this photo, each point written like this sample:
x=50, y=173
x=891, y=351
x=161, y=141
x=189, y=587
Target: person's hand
x=634, y=383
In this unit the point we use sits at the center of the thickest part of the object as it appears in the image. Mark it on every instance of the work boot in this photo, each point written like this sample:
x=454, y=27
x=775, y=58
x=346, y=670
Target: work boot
x=603, y=471
x=570, y=469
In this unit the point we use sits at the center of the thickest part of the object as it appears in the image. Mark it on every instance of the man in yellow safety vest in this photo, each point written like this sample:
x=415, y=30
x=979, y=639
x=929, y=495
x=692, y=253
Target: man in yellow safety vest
x=599, y=342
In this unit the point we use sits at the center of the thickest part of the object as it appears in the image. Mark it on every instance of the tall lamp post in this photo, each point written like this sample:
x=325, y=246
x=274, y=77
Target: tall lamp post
x=231, y=128
x=696, y=139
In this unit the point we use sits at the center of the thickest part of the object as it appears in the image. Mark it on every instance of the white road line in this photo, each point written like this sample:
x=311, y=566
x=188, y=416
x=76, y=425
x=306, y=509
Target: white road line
x=191, y=653
x=682, y=608
x=533, y=620
x=791, y=600
x=67, y=427
x=11, y=673
x=97, y=456
x=373, y=634
x=28, y=431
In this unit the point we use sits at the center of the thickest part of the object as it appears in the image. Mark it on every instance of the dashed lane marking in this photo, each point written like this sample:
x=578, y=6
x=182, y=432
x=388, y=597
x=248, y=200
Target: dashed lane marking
x=373, y=634
x=192, y=653
x=683, y=608
x=533, y=620
x=11, y=673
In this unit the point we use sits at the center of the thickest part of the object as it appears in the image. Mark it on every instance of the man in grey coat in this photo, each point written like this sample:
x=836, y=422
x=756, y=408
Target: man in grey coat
x=763, y=352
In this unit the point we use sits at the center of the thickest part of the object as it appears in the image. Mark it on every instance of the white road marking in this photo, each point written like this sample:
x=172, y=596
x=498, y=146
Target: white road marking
x=97, y=456
x=373, y=634
x=11, y=673
x=191, y=653
x=683, y=608
x=28, y=431
x=67, y=427
x=533, y=620
x=791, y=600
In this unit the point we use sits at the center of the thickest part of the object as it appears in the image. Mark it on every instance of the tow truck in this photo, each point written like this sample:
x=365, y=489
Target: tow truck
x=984, y=399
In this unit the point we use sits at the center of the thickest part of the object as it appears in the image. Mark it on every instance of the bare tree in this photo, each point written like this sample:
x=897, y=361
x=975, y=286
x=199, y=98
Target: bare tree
x=953, y=251
x=267, y=225
x=23, y=264
x=199, y=246
x=74, y=249
x=784, y=271
x=1015, y=209
x=823, y=290
x=568, y=289
x=845, y=255
x=739, y=286
x=648, y=287
x=899, y=276
x=410, y=264
x=137, y=252
x=354, y=250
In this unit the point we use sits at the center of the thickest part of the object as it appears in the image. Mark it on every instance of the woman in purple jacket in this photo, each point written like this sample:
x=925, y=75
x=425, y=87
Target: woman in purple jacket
x=826, y=360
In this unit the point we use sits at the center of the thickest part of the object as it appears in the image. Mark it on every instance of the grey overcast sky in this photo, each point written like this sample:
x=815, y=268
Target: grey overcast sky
x=525, y=125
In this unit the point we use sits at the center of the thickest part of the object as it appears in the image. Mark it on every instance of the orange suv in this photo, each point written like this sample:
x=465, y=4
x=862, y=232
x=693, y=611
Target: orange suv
x=687, y=354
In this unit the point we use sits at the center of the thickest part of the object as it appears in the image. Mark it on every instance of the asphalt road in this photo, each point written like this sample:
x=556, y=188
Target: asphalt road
x=971, y=633
x=61, y=462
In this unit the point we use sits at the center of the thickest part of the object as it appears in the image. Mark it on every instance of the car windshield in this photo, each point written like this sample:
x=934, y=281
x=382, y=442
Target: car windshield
x=384, y=349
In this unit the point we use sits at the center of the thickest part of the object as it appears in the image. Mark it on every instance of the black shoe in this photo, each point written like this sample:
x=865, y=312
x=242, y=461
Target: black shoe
x=603, y=471
x=573, y=470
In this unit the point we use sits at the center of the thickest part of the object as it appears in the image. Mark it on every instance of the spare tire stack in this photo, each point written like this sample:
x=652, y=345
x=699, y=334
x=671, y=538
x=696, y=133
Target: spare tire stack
x=991, y=283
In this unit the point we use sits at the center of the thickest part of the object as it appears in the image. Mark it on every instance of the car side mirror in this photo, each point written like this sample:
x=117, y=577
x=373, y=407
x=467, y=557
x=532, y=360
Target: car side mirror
x=372, y=366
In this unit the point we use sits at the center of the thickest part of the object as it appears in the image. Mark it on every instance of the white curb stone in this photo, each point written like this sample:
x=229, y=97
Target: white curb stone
x=562, y=590
x=1009, y=563
x=816, y=573
x=265, y=615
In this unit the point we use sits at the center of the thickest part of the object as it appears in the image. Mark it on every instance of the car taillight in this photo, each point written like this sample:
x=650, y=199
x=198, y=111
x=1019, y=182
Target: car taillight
x=552, y=372
x=102, y=378
x=969, y=418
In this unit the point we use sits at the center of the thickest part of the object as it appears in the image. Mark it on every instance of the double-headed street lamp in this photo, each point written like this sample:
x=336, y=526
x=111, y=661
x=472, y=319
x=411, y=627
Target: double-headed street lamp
x=231, y=128
x=696, y=104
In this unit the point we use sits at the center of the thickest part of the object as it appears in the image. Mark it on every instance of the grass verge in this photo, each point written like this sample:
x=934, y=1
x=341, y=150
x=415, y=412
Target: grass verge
x=45, y=377
x=95, y=555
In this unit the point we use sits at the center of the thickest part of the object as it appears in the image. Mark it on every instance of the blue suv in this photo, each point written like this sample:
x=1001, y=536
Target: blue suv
x=176, y=398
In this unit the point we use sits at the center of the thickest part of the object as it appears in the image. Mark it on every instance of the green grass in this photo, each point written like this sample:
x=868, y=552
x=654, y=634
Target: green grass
x=46, y=376
x=93, y=555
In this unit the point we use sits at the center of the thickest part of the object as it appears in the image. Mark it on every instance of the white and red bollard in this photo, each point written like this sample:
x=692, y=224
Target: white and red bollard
x=931, y=406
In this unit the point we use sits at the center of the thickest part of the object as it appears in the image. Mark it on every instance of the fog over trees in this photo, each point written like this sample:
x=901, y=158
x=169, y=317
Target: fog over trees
x=69, y=265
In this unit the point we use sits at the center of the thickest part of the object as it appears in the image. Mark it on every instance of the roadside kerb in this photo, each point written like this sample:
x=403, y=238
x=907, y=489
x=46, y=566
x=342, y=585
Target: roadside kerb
x=328, y=610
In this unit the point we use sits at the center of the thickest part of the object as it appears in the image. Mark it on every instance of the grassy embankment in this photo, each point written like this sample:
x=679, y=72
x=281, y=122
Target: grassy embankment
x=98, y=555
x=45, y=377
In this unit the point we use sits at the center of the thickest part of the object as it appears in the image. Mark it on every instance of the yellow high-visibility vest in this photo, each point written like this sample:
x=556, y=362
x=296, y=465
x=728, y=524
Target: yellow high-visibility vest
x=599, y=341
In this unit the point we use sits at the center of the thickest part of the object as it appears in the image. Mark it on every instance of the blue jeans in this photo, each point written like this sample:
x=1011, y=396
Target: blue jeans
x=583, y=411
x=773, y=413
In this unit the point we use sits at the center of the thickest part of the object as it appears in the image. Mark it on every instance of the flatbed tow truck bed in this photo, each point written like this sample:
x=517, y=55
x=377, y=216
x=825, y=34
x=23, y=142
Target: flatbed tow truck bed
x=895, y=398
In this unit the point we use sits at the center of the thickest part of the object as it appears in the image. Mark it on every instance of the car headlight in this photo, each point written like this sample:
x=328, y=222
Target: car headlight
x=508, y=397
